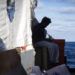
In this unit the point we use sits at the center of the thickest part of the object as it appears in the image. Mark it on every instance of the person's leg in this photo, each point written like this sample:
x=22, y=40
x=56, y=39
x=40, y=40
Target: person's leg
x=53, y=53
x=53, y=50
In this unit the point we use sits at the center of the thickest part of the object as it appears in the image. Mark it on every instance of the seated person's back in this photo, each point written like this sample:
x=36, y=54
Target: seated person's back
x=39, y=32
x=39, y=40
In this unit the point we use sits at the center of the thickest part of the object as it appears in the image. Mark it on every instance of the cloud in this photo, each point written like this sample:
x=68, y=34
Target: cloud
x=73, y=1
x=67, y=10
x=42, y=6
x=70, y=20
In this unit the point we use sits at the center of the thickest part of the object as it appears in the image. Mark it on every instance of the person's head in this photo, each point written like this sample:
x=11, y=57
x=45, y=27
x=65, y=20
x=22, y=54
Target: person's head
x=45, y=21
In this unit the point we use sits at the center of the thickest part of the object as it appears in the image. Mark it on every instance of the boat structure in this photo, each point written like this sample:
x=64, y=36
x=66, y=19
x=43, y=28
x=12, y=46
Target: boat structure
x=15, y=31
x=17, y=54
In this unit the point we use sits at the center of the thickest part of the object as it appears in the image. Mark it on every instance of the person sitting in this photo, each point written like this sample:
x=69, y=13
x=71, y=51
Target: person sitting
x=39, y=40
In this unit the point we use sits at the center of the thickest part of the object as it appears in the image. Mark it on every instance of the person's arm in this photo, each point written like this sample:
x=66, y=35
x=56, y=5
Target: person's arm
x=49, y=37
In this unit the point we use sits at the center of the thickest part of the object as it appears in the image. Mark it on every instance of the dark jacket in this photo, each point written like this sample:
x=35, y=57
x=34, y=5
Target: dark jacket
x=38, y=33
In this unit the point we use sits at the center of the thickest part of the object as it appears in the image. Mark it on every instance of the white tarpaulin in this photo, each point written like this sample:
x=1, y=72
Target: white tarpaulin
x=4, y=27
x=15, y=24
x=15, y=28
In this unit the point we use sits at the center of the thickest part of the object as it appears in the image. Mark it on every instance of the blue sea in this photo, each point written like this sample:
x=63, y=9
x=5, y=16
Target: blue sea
x=70, y=54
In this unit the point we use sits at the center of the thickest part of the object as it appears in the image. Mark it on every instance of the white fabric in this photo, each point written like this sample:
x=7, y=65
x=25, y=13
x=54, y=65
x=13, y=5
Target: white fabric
x=18, y=32
x=27, y=60
x=33, y=6
x=4, y=27
x=22, y=20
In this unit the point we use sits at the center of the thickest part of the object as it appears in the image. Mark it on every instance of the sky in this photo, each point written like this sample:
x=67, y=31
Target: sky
x=62, y=14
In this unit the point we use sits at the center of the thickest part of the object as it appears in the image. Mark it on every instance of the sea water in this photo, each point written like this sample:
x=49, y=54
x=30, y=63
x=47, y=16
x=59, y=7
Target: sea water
x=70, y=54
